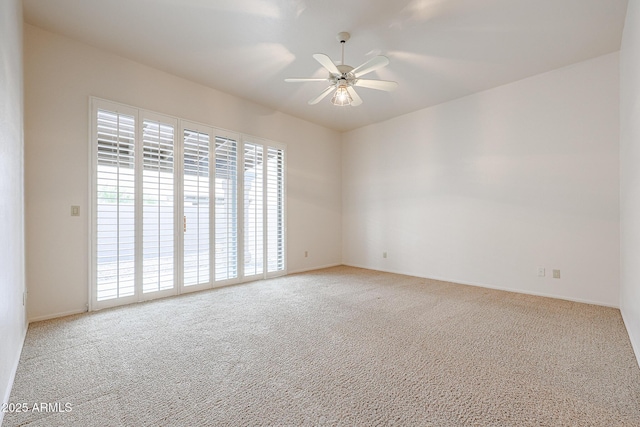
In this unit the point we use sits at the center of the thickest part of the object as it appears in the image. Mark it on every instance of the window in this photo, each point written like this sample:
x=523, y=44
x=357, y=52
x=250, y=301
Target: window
x=179, y=206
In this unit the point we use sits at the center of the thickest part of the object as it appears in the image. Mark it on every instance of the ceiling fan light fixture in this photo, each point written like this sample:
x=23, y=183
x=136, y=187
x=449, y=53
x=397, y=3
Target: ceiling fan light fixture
x=344, y=78
x=341, y=97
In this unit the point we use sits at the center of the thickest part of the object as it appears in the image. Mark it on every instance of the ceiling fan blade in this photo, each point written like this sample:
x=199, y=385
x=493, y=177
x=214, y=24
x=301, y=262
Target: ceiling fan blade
x=320, y=97
x=327, y=63
x=371, y=65
x=304, y=80
x=355, y=98
x=377, y=84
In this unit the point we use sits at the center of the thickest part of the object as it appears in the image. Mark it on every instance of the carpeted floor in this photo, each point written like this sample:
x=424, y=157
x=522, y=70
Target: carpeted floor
x=340, y=346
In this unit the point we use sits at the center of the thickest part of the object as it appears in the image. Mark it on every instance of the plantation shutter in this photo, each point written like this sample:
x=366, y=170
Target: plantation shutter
x=196, y=225
x=253, y=209
x=275, y=209
x=226, y=208
x=157, y=206
x=115, y=207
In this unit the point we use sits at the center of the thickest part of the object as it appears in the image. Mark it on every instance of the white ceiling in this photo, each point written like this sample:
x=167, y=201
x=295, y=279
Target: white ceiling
x=439, y=49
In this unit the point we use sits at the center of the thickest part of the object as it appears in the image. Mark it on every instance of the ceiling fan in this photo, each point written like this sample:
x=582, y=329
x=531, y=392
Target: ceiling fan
x=343, y=78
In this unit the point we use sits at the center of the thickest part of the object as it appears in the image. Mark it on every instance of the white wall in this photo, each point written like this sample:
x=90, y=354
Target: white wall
x=630, y=174
x=13, y=324
x=484, y=189
x=60, y=75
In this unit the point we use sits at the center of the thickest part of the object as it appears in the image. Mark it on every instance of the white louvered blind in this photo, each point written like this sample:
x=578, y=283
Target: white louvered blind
x=253, y=209
x=226, y=209
x=196, y=208
x=157, y=206
x=275, y=209
x=115, y=208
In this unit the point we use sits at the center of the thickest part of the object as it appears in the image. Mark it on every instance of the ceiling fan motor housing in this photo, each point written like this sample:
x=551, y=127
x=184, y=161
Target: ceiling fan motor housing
x=346, y=75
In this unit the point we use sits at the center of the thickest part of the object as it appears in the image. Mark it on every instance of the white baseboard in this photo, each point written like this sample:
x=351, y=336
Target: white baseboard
x=14, y=370
x=56, y=315
x=497, y=288
x=635, y=345
x=305, y=270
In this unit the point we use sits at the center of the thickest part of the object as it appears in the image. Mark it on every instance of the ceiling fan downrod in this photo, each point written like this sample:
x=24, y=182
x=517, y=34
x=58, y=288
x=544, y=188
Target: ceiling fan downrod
x=343, y=37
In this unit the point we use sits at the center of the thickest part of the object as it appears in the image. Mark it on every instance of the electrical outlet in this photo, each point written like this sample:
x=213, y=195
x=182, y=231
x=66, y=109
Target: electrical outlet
x=306, y=254
x=541, y=272
x=75, y=210
x=556, y=274
x=384, y=254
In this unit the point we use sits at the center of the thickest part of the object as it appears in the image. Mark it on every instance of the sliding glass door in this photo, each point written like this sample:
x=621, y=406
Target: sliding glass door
x=179, y=206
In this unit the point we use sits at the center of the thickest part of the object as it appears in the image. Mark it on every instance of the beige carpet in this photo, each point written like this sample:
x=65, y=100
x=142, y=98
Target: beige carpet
x=340, y=346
